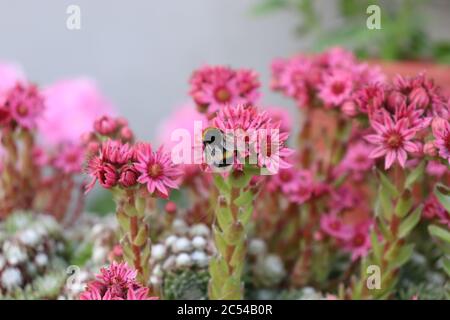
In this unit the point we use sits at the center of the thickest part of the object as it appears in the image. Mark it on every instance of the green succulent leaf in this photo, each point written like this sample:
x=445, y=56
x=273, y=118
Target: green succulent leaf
x=224, y=217
x=234, y=233
x=377, y=250
x=446, y=265
x=443, y=194
x=141, y=237
x=221, y=184
x=386, y=203
x=245, y=215
x=219, y=240
x=244, y=199
x=414, y=175
x=124, y=220
x=388, y=185
x=404, y=204
x=403, y=256
x=440, y=233
x=410, y=222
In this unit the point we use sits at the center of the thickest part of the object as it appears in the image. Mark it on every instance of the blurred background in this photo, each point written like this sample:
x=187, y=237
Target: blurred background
x=142, y=52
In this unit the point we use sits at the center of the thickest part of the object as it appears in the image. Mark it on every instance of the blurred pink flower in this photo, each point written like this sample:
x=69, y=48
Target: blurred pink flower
x=213, y=87
x=70, y=158
x=72, y=106
x=436, y=169
x=336, y=88
x=305, y=187
x=25, y=105
x=287, y=180
x=291, y=76
x=359, y=241
x=184, y=117
x=333, y=226
x=357, y=160
x=434, y=210
x=282, y=116
x=441, y=132
x=370, y=98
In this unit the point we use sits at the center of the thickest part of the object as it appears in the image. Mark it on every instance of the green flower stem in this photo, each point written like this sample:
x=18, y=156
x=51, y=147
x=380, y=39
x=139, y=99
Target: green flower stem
x=232, y=217
x=397, y=216
x=135, y=231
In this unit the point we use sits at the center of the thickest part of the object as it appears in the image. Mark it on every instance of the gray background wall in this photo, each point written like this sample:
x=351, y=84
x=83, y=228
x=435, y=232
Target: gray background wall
x=142, y=52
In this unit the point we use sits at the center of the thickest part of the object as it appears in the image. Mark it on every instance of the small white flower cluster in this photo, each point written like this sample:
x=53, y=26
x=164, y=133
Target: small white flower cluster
x=267, y=269
x=186, y=247
x=30, y=245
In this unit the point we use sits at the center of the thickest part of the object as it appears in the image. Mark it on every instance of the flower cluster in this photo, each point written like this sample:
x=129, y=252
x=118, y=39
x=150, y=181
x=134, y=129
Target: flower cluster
x=254, y=138
x=354, y=238
x=117, y=282
x=213, y=87
x=331, y=78
x=22, y=107
x=40, y=151
x=103, y=128
x=125, y=166
x=409, y=119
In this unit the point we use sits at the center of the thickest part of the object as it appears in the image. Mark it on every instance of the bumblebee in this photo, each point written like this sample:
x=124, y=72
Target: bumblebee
x=213, y=140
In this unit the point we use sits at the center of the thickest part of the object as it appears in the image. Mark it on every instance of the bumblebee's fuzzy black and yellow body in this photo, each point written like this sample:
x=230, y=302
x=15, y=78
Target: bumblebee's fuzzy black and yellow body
x=214, y=138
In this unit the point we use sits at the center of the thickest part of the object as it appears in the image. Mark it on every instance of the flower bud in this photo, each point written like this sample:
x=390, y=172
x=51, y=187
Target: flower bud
x=105, y=125
x=128, y=176
x=121, y=122
x=430, y=149
x=126, y=134
x=419, y=96
x=171, y=207
x=395, y=100
x=108, y=176
x=92, y=147
x=349, y=109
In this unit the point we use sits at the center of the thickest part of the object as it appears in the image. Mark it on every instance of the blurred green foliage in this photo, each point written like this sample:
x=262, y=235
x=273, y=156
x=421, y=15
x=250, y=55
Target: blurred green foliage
x=402, y=36
x=101, y=202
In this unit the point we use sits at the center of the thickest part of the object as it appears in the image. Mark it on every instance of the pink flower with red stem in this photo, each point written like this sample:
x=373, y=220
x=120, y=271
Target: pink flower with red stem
x=392, y=140
x=117, y=282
